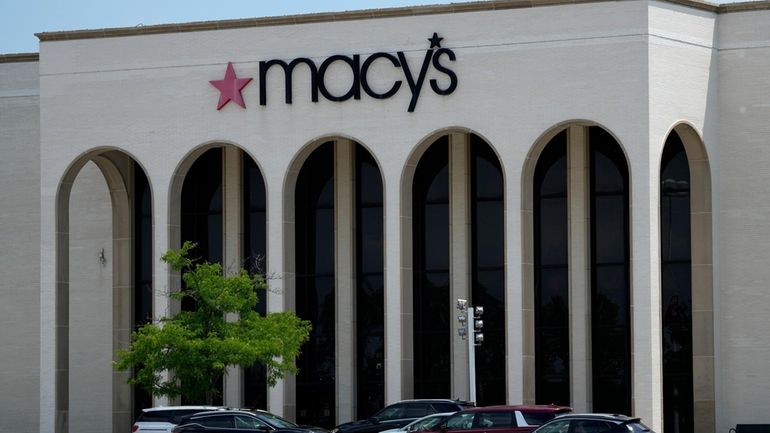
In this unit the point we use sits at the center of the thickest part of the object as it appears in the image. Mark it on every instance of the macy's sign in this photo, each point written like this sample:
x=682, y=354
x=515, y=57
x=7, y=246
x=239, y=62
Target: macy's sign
x=435, y=56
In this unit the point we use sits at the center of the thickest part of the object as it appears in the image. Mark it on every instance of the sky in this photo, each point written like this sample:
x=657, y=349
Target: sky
x=21, y=19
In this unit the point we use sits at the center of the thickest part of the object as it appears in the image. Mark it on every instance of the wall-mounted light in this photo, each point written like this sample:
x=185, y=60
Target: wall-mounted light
x=101, y=257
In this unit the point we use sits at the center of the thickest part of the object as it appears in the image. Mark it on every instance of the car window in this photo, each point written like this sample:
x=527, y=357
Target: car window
x=555, y=427
x=419, y=424
x=275, y=420
x=592, y=426
x=458, y=421
x=445, y=407
x=155, y=416
x=176, y=418
x=395, y=411
x=418, y=410
x=216, y=421
x=247, y=422
x=494, y=419
x=425, y=424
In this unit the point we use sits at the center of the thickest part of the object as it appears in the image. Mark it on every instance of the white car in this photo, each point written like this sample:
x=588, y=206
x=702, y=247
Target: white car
x=425, y=423
x=164, y=418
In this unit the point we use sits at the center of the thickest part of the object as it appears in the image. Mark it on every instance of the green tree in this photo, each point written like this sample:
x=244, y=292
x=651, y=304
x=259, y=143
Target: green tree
x=195, y=347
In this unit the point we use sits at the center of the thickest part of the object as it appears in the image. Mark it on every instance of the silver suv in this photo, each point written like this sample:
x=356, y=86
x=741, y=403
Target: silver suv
x=162, y=419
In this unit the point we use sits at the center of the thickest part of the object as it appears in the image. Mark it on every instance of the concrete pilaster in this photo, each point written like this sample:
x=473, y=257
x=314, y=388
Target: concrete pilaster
x=399, y=358
x=166, y=234
x=345, y=253
x=232, y=251
x=122, y=287
x=459, y=237
x=280, y=270
x=647, y=379
x=579, y=272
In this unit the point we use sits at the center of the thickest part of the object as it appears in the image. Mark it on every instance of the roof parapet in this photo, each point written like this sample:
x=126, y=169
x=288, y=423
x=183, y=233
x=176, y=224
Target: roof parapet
x=474, y=6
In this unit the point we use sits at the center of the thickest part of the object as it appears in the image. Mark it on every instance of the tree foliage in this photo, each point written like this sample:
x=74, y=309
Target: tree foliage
x=197, y=346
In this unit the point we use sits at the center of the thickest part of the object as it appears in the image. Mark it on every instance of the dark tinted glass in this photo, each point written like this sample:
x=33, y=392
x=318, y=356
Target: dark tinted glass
x=202, y=206
x=418, y=410
x=142, y=268
x=247, y=422
x=445, y=407
x=394, y=411
x=181, y=414
x=552, y=375
x=201, y=220
x=676, y=287
x=593, y=426
x=495, y=419
x=225, y=421
x=556, y=427
x=274, y=420
x=610, y=289
x=255, y=261
x=370, y=284
x=488, y=269
x=430, y=226
x=314, y=212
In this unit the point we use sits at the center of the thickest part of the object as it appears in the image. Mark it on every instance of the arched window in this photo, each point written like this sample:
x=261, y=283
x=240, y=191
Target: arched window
x=488, y=268
x=676, y=287
x=471, y=212
x=431, y=303
x=370, y=285
x=315, y=286
x=581, y=257
x=610, y=276
x=339, y=263
x=552, y=361
x=201, y=219
x=202, y=206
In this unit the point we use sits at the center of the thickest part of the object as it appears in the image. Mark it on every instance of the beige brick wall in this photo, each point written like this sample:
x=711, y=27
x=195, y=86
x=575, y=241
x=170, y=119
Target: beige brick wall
x=19, y=247
x=743, y=212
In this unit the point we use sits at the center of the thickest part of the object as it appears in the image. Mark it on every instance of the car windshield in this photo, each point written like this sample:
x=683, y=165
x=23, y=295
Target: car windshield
x=391, y=412
x=275, y=420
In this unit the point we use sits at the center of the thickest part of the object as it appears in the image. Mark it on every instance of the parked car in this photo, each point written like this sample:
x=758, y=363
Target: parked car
x=426, y=423
x=240, y=421
x=501, y=419
x=400, y=414
x=594, y=423
x=162, y=419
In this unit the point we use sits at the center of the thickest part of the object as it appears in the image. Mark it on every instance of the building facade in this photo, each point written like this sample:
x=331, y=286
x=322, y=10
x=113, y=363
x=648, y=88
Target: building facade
x=592, y=173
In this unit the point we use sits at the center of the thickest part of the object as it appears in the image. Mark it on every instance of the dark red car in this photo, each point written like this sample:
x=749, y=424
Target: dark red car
x=501, y=419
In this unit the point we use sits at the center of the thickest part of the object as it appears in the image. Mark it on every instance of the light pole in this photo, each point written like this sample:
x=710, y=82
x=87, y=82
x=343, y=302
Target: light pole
x=470, y=330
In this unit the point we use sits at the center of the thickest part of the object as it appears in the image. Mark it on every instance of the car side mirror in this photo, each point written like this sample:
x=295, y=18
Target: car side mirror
x=374, y=420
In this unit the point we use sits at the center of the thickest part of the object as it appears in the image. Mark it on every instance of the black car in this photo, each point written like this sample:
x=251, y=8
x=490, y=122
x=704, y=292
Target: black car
x=400, y=414
x=593, y=423
x=240, y=421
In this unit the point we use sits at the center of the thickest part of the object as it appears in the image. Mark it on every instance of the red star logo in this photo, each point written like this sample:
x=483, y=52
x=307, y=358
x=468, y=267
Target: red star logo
x=230, y=88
